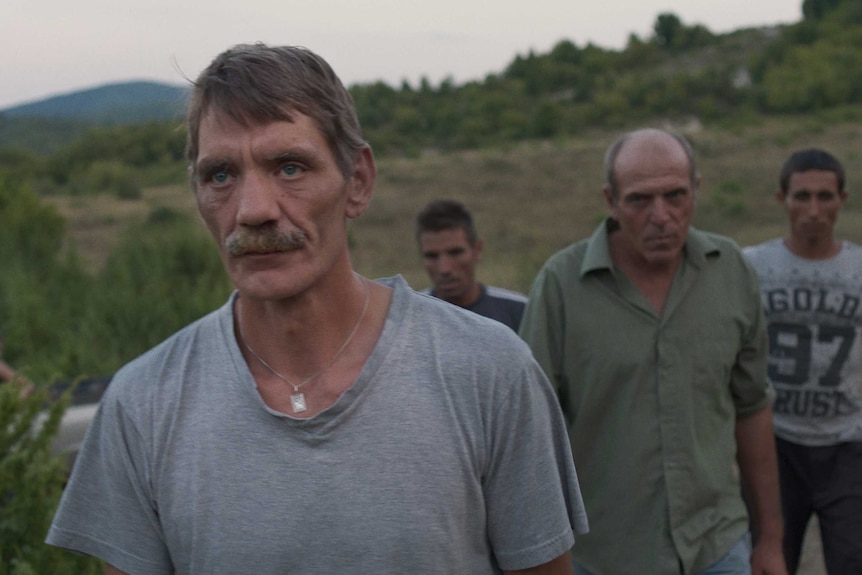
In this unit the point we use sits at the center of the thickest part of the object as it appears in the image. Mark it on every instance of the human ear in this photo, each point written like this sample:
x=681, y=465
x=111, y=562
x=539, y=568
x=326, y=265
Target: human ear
x=611, y=201
x=360, y=187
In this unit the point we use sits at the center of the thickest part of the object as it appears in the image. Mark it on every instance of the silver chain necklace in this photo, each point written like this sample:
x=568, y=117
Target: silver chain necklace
x=297, y=399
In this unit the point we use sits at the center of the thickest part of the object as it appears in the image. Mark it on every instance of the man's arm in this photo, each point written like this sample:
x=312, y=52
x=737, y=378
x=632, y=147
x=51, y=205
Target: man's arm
x=6, y=372
x=562, y=565
x=758, y=466
x=9, y=375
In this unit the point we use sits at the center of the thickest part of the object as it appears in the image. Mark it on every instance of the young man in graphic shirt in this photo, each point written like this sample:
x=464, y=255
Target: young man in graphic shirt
x=811, y=286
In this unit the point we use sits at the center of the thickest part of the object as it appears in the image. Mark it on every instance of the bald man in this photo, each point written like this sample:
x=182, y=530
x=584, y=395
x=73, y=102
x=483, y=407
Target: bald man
x=653, y=335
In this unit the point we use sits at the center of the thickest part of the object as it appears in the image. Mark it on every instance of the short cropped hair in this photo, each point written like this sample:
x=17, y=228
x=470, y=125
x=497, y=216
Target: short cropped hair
x=807, y=160
x=258, y=84
x=441, y=215
x=614, y=149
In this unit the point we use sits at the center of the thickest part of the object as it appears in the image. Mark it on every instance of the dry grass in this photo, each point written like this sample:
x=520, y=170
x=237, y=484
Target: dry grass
x=811, y=561
x=530, y=199
x=94, y=223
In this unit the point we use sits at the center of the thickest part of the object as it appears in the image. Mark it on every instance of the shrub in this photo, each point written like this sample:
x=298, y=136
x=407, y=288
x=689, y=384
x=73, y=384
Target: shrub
x=31, y=481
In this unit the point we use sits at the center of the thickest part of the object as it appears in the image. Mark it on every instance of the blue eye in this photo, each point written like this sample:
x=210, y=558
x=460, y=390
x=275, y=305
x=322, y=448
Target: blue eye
x=219, y=177
x=290, y=170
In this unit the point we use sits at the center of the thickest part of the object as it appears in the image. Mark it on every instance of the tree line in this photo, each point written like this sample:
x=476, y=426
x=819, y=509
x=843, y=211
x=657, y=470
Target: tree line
x=679, y=71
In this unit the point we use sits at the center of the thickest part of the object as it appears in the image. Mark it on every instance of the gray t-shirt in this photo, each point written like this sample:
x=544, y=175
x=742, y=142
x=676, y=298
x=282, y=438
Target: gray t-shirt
x=447, y=455
x=815, y=341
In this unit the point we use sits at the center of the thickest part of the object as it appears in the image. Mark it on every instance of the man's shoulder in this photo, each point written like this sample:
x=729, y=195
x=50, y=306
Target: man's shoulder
x=852, y=250
x=503, y=305
x=426, y=308
x=147, y=371
x=717, y=248
x=508, y=295
x=431, y=318
x=712, y=241
x=569, y=257
x=769, y=247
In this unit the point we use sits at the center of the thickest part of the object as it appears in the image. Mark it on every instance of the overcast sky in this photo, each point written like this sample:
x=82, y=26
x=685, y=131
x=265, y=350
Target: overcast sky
x=51, y=47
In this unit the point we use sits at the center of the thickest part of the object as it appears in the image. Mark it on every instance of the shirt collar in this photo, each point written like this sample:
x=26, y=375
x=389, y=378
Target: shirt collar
x=698, y=246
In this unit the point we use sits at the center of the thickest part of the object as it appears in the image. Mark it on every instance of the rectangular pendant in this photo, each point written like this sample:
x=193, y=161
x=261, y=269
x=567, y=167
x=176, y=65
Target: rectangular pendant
x=297, y=402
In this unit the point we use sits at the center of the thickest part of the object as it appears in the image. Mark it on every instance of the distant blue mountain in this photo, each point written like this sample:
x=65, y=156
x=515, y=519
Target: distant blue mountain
x=119, y=103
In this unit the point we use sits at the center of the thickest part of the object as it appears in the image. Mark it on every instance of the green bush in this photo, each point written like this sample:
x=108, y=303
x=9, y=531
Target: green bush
x=164, y=274
x=109, y=177
x=31, y=481
x=728, y=199
x=58, y=318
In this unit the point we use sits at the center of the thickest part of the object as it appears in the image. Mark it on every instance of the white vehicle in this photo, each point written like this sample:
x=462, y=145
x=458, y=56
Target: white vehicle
x=84, y=402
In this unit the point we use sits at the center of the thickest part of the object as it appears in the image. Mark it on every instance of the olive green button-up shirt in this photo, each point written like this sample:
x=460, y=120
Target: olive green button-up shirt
x=652, y=400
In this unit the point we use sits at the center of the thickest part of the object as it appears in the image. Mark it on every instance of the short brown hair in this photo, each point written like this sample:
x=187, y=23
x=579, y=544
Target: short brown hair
x=807, y=160
x=441, y=215
x=256, y=83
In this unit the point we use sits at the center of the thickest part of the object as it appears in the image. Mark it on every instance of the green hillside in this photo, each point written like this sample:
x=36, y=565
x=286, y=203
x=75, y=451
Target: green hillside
x=679, y=72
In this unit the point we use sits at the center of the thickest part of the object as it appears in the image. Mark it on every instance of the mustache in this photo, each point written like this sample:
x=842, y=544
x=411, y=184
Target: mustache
x=264, y=240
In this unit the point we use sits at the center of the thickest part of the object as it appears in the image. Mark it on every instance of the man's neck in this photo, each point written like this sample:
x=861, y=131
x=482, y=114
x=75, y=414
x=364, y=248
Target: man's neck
x=654, y=285
x=321, y=342
x=813, y=248
x=652, y=280
x=305, y=329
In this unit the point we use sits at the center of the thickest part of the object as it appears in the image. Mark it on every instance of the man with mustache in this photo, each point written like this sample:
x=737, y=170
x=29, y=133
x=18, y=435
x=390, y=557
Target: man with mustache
x=653, y=334
x=319, y=422
x=811, y=284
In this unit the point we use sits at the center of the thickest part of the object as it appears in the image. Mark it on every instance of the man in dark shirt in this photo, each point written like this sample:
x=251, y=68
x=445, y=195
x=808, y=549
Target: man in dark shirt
x=451, y=249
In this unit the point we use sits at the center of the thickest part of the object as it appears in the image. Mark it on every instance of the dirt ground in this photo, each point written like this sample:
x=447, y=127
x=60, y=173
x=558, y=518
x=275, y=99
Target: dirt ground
x=811, y=562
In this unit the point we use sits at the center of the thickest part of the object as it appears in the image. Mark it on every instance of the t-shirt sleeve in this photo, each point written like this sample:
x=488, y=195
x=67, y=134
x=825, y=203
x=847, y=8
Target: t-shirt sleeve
x=749, y=385
x=107, y=509
x=531, y=487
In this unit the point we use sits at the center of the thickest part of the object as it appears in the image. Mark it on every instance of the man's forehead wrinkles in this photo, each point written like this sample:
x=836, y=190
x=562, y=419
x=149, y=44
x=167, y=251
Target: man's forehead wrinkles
x=655, y=189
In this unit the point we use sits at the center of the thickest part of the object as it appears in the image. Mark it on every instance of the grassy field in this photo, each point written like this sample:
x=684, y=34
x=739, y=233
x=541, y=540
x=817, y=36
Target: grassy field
x=532, y=199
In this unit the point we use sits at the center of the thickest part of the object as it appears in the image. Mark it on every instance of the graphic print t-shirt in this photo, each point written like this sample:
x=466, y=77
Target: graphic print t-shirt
x=814, y=312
